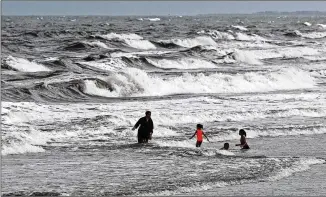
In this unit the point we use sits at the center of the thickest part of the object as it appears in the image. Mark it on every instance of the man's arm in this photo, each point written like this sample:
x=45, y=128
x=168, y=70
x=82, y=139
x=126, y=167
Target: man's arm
x=152, y=128
x=137, y=124
x=152, y=124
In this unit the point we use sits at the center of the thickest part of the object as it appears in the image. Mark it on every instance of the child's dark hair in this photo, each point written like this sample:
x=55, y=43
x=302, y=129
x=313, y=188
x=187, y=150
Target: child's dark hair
x=148, y=112
x=200, y=126
x=226, y=146
x=242, y=132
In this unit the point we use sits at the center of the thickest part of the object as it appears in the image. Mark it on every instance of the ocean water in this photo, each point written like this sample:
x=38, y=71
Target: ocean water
x=72, y=87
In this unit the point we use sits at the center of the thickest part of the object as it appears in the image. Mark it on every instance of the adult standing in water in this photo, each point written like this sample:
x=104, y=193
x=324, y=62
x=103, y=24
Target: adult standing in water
x=146, y=127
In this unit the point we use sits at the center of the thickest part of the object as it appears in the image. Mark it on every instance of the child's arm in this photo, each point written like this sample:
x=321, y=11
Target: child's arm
x=205, y=136
x=193, y=135
x=242, y=142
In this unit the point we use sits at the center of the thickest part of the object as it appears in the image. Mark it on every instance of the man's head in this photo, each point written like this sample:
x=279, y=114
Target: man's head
x=148, y=114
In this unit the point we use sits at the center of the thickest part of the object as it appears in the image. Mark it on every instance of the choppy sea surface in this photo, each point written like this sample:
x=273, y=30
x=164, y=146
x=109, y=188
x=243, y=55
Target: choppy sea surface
x=72, y=87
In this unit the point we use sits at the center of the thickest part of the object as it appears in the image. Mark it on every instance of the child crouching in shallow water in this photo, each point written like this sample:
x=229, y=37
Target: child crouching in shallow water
x=243, y=143
x=199, y=132
x=225, y=147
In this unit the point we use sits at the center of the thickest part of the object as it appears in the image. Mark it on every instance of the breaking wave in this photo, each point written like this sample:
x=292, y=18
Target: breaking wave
x=24, y=65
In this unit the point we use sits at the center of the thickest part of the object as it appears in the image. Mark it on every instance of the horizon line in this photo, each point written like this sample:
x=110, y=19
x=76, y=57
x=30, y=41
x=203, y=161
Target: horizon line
x=178, y=15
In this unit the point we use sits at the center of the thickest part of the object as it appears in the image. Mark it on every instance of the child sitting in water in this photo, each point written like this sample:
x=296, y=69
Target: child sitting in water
x=243, y=143
x=200, y=134
x=226, y=146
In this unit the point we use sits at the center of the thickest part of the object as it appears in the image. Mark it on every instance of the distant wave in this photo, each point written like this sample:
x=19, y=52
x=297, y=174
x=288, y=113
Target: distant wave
x=239, y=27
x=99, y=44
x=109, y=64
x=246, y=37
x=152, y=19
x=149, y=19
x=190, y=42
x=311, y=35
x=323, y=26
x=230, y=35
x=184, y=63
x=314, y=35
x=166, y=44
x=285, y=52
x=77, y=46
x=132, y=40
x=246, y=57
x=218, y=35
x=24, y=65
x=295, y=33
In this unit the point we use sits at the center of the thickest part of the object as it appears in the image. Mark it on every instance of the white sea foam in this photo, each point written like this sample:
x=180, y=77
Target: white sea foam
x=285, y=52
x=245, y=37
x=167, y=113
x=246, y=57
x=140, y=44
x=136, y=54
x=284, y=96
x=98, y=43
x=153, y=19
x=165, y=132
x=322, y=26
x=230, y=35
x=297, y=32
x=131, y=36
x=18, y=148
x=192, y=42
x=184, y=63
x=51, y=59
x=25, y=141
x=219, y=35
x=111, y=64
x=18, y=141
x=214, y=152
x=136, y=82
x=132, y=40
x=15, y=117
x=24, y=65
x=171, y=113
x=92, y=89
x=247, y=45
x=314, y=35
x=239, y=27
x=173, y=143
x=307, y=24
